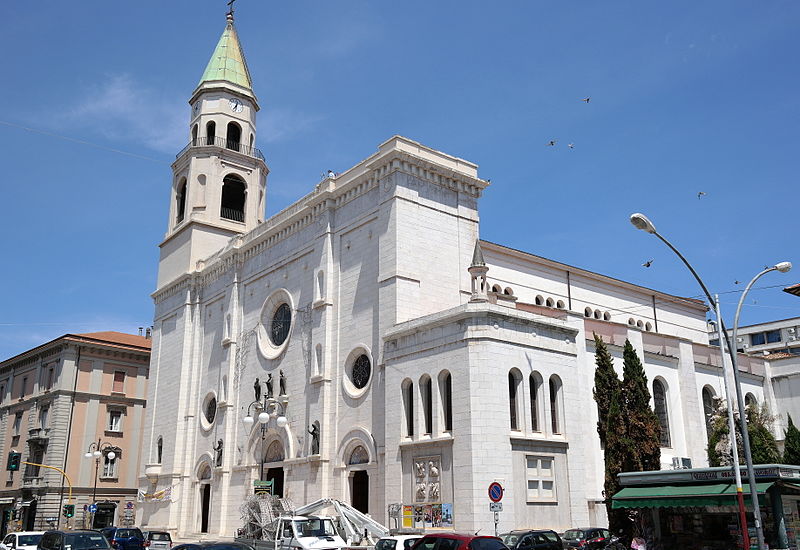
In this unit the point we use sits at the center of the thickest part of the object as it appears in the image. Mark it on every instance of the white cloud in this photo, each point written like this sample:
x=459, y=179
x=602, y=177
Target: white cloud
x=124, y=110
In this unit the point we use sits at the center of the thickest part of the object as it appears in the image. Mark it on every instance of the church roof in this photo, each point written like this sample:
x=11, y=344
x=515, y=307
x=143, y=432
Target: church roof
x=227, y=62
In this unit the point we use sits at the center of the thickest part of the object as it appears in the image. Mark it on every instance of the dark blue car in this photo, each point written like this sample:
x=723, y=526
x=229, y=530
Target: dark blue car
x=125, y=538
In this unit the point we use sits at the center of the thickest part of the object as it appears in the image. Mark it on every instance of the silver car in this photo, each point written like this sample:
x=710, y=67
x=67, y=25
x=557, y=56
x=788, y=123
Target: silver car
x=22, y=540
x=159, y=540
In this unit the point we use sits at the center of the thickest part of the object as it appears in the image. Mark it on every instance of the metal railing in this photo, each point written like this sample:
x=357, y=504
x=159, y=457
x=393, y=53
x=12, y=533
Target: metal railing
x=232, y=214
x=212, y=141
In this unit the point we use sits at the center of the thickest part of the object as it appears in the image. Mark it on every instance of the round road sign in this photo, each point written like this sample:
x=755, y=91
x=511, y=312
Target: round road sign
x=495, y=492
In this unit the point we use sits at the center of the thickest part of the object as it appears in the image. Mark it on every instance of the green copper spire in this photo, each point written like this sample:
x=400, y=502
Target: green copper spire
x=227, y=62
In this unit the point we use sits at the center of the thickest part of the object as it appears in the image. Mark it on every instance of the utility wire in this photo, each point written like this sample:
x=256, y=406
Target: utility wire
x=81, y=141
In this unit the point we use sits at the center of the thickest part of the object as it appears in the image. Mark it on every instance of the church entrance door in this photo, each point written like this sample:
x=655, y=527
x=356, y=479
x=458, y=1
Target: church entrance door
x=205, y=506
x=276, y=476
x=361, y=491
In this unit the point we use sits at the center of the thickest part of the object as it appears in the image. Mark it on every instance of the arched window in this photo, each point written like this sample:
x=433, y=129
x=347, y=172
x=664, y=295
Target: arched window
x=598, y=314
x=233, y=198
x=496, y=289
x=320, y=285
x=180, y=199
x=359, y=456
x=750, y=401
x=708, y=407
x=508, y=291
x=426, y=393
x=408, y=406
x=550, y=302
x=555, y=405
x=252, y=142
x=446, y=391
x=194, y=135
x=560, y=304
x=606, y=316
x=632, y=321
x=660, y=406
x=535, y=382
x=540, y=300
x=513, y=391
x=159, y=449
x=211, y=132
x=587, y=312
x=234, y=136
x=648, y=326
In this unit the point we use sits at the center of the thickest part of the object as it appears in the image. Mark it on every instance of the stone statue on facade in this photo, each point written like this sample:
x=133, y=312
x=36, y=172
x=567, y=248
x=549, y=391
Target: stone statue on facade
x=218, y=449
x=269, y=386
x=257, y=390
x=314, y=431
x=282, y=384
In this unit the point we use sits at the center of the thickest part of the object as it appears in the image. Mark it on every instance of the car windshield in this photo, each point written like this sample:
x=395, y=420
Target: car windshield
x=28, y=540
x=314, y=527
x=81, y=541
x=509, y=539
x=128, y=533
x=574, y=534
x=385, y=544
x=159, y=536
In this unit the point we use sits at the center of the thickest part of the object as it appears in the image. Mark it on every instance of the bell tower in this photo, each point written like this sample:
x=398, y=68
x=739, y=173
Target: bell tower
x=220, y=178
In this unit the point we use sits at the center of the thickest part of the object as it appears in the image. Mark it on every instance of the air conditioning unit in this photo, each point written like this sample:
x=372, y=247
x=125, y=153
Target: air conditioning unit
x=790, y=330
x=739, y=339
x=681, y=463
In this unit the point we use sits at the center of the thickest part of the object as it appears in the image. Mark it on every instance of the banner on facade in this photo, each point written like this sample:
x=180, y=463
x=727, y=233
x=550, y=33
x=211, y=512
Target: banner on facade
x=158, y=496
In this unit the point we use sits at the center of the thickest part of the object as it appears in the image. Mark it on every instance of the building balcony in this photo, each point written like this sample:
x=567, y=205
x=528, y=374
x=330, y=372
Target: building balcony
x=32, y=480
x=152, y=471
x=38, y=436
x=223, y=143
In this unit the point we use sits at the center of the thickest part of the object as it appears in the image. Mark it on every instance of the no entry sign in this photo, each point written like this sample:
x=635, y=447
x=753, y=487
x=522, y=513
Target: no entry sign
x=495, y=492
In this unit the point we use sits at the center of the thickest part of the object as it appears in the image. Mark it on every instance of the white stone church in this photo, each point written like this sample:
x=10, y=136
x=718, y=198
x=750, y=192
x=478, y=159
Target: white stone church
x=426, y=362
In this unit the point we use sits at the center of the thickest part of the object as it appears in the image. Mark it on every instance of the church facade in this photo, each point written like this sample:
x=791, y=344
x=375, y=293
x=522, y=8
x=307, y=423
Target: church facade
x=364, y=344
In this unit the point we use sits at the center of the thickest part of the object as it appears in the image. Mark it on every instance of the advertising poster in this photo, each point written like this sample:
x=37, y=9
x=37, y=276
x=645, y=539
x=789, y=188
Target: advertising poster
x=408, y=517
x=419, y=517
x=436, y=511
x=447, y=515
x=428, y=516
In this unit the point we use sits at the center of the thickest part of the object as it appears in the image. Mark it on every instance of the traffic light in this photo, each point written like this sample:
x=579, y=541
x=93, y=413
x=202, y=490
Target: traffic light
x=14, y=460
x=69, y=510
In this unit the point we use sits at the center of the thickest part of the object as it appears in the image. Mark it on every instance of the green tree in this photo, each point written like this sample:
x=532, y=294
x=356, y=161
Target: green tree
x=606, y=385
x=643, y=432
x=763, y=447
x=791, y=451
x=614, y=457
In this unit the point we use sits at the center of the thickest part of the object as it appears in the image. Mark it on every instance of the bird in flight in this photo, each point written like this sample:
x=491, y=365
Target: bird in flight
x=648, y=263
x=586, y=99
x=701, y=194
x=737, y=282
x=571, y=145
x=551, y=143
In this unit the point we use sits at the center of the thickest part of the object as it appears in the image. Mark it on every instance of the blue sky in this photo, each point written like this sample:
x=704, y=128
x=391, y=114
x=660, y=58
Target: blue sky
x=685, y=97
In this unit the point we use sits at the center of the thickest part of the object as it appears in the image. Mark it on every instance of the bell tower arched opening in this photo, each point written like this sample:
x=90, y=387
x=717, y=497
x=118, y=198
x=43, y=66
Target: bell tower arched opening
x=233, y=136
x=180, y=199
x=233, y=198
x=211, y=132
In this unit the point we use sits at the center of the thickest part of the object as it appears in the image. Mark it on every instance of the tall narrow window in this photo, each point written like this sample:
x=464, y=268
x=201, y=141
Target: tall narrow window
x=425, y=388
x=110, y=460
x=114, y=421
x=51, y=375
x=408, y=398
x=24, y=387
x=211, y=130
x=119, y=382
x=533, y=382
x=17, y=423
x=2, y=393
x=750, y=401
x=159, y=449
x=512, y=400
x=233, y=197
x=194, y=135
x=708, y=407
x=660, y=405
x=555, y=417
x=234, y=136
x=180, y=199
x=446, y=388
x=43, y=413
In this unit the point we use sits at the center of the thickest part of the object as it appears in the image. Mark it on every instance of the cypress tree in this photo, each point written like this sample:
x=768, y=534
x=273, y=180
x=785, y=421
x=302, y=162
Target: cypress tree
x=606, y=385
x=614, y=457
x=643, y=432
x=791, y=451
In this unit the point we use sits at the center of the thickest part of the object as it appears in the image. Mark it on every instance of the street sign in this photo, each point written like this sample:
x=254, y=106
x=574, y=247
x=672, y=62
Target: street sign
x=495, y=506
x=495, y=492
x=92, y=508
x=262, y=487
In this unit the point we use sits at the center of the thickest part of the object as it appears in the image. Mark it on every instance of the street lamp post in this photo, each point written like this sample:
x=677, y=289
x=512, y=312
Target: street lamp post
x=268, y=408
x=640, y=221
x=96, y=451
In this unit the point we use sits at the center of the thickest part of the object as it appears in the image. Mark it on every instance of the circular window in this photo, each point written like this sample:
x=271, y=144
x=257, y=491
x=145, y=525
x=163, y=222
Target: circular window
x=281, y=323
x=208, y=411
x=275, y=326
x=362, y=369
x=358, y=372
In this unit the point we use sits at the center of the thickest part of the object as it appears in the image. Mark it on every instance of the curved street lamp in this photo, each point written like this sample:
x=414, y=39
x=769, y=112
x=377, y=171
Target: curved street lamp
x=269, y=408
x=640, y=221
x=97, y=450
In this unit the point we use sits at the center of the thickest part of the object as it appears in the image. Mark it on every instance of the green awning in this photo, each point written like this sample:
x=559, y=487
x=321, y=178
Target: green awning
x=666, y=496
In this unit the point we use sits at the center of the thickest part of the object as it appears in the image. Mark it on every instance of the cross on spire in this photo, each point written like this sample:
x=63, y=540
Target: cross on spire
x=229, y=15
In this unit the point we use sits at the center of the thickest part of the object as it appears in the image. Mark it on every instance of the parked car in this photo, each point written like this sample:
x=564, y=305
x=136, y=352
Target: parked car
x=159, y=540
x=22, y=540
x=125, y=538
x=532, y=539
x=213, y=545
x=74, y=540
x=397, y=542
x=456, y=541
x=587, y=538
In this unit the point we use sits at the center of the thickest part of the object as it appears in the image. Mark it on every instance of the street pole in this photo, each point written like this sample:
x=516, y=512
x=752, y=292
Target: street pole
x=640, y=221
x=732, y=432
